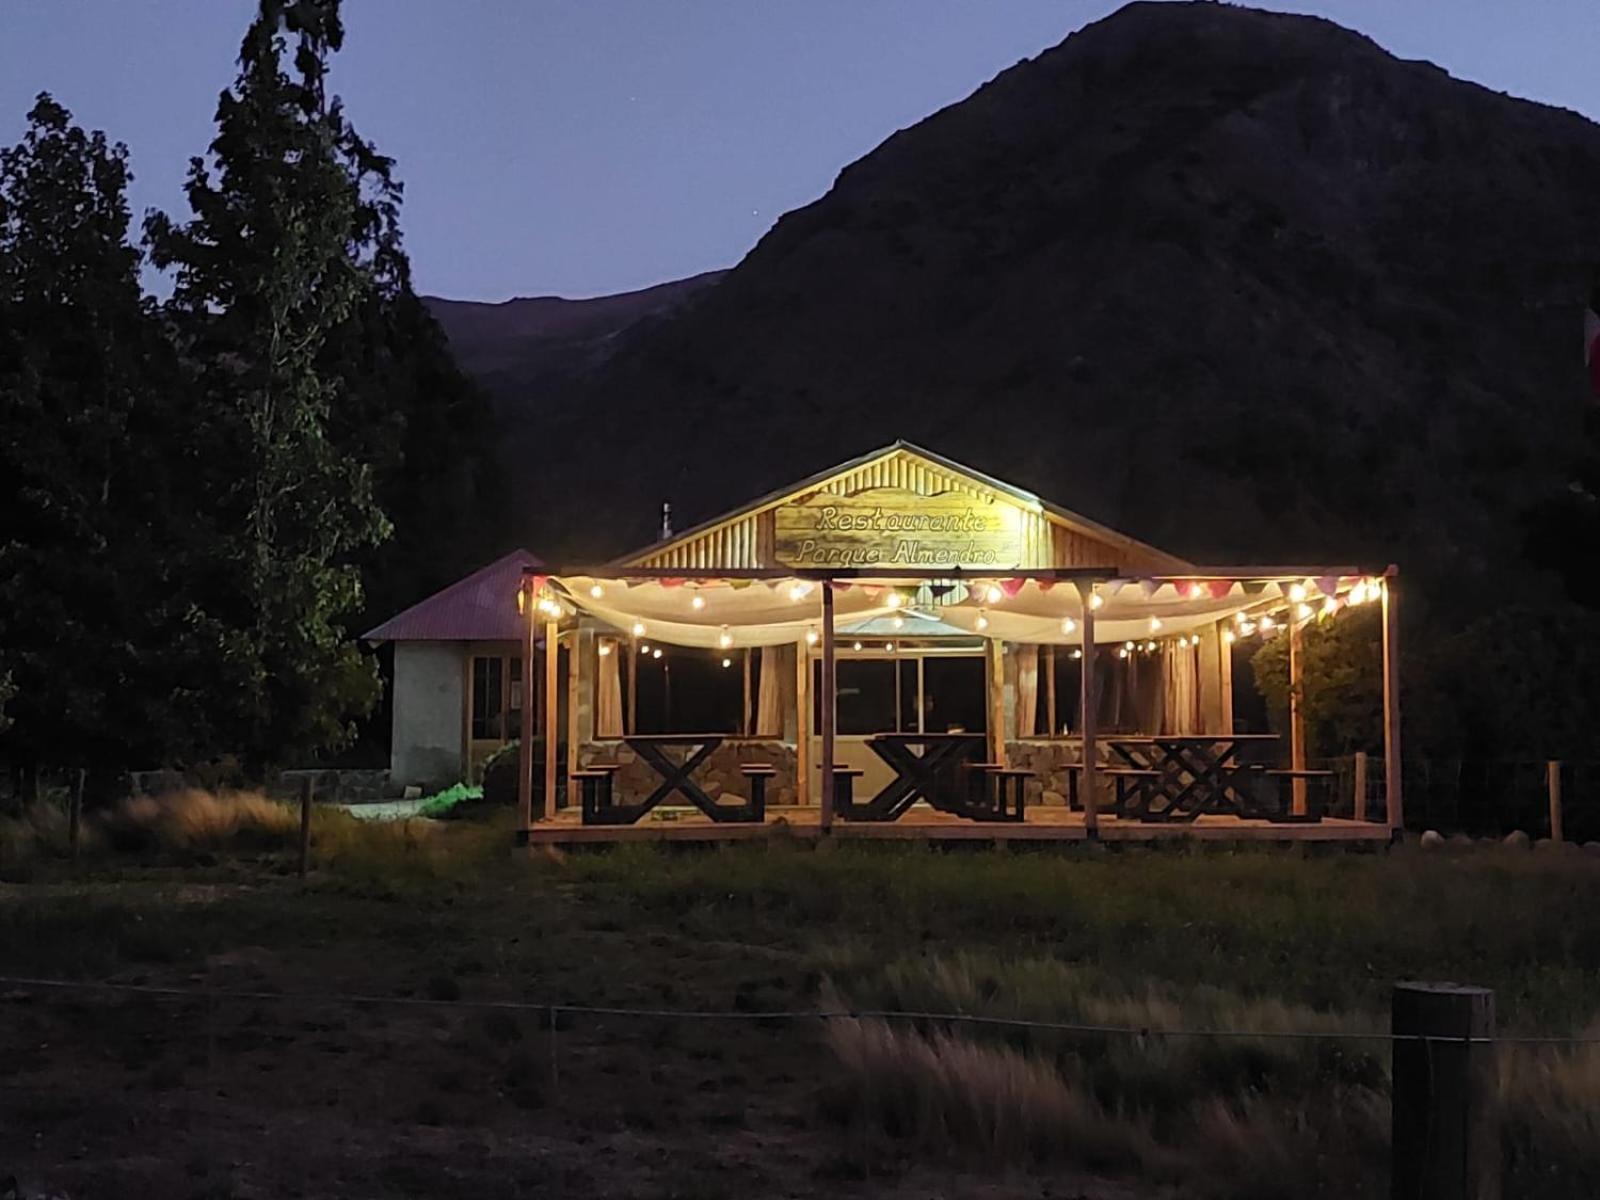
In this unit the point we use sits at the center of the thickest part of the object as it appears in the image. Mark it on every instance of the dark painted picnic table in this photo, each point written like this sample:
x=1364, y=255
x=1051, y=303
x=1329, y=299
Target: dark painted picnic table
x=676, y=777
x=1181, y=776
x=927, y=766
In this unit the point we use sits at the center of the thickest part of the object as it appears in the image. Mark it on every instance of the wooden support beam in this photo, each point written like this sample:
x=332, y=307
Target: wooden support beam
x=1359, y=811
x=1088, y=726
x=552, y=736
x=1552, y=782
x=1297, y=721
x=830, y=706
x=525, y=747
x=996, y=678
x=1225, y=662
x=633, y=685
x=574, y=737
x=802, y=721
x=1053, y=727
x=747, y=727
x=1393, y=799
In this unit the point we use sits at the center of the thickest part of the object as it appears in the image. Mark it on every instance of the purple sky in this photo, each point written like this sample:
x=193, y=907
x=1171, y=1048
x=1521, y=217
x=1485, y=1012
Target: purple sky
x=580, y=147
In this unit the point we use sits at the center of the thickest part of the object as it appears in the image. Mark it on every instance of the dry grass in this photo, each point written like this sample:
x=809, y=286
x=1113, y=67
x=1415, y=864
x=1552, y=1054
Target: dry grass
x=196, y=820
x=1550, y=1111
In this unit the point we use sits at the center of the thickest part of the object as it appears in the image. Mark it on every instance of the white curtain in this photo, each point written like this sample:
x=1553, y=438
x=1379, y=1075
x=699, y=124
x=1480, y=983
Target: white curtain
x=608, y=691
x=1027, y=690
x=769, y=701
x=1180, y=690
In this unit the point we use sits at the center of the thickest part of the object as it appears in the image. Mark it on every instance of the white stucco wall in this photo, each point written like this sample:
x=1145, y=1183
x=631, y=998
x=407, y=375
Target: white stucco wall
x=426, y=744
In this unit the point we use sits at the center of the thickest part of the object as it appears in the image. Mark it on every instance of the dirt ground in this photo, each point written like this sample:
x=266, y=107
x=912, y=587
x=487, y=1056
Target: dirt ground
x=132, y=1095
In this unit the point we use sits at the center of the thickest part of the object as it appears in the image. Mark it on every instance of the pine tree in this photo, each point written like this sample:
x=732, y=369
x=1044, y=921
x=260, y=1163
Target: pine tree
x=266, y=271
x=92, y=628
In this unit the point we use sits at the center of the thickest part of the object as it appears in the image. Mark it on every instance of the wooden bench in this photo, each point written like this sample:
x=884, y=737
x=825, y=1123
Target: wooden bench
x=595, y=791
x=758, y=774
x=1131, y=782
x=999, y=794
x=1316, y=806
x=844, y=780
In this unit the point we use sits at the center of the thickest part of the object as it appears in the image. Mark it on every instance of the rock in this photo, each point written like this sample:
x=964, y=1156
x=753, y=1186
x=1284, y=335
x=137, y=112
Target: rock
x=1461, y=841
x=1055, y=798
x=1591, y=847
x=412, y=792
x=1431, y=839
x=1516, y=840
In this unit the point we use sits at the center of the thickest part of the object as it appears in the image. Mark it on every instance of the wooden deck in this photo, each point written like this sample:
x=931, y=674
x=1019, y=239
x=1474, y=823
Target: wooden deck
x=1052, y=824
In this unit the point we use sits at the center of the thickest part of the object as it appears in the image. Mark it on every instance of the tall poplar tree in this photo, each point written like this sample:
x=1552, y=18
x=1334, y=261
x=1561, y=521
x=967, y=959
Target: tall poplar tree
x=266, y=270
x=92, y=626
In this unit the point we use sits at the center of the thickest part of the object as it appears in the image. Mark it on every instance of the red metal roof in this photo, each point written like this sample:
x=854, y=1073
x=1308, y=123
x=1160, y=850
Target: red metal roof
x=480, y=608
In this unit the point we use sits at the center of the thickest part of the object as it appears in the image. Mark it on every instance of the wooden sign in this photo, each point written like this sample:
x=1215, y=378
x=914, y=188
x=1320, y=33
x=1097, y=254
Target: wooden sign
x=891, y=527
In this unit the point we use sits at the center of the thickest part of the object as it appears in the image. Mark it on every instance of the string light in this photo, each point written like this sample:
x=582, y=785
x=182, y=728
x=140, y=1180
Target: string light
x=1096, y=600
x=894, y=600
x=725, y=639
x=596, y=591
x=857, y=646
x=644, y=648
x=1155, y=624
x=1196, y=590
x=1228, y=636
x=1267, y=623
x=697, y=602
x=638, y=629
x=522, y=601
x=898, y=621
x=811, y=636
x=1330, y=606
x=1127, y=646
x=1123, y=653
x=1303, y=612
x=1247, y=628
x=1358, y=594
x=727, y=662
x=993, y=594
x=656, y=653
x=1077, y=654
x=1297, y=592
x=1068, y=624
x=1150, y=646
x=604, y=649
x=983, y=620
x=888, y=647
x=798, y=590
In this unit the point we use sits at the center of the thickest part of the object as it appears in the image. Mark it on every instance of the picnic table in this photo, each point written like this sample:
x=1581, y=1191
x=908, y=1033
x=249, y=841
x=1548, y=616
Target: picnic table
x=1178, y=777
x=935, y=767
x=677, y=777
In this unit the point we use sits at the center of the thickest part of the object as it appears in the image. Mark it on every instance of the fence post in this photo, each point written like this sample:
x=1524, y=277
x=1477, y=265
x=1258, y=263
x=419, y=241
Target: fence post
x=1446, y=1130
x=306, y=786
x=1360, y=810
x=1552, y=783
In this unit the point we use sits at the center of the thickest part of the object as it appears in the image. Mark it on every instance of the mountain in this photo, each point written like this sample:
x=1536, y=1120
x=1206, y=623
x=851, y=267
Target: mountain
x=1240, y=282
x=518, y=346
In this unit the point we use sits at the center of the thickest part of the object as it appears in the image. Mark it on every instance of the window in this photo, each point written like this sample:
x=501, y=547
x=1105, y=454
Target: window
x=881, y=695
x=486, y=698
x=1127, y=690
x=689, y=690
x=955, y=694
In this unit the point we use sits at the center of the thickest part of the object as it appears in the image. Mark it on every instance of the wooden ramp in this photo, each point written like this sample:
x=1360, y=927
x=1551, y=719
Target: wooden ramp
x=921, y=823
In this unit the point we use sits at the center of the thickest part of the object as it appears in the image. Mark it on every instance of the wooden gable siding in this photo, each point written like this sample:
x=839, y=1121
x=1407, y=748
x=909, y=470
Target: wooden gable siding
x=1075, y=549
x=747, y=541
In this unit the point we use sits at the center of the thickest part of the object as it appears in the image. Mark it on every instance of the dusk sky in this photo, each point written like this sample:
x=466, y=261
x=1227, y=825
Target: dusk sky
x=582, y=147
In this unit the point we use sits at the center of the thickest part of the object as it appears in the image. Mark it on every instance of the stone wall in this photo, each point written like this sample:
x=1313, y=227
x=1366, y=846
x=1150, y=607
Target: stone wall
x=719, y=774
x=1050, y=762
x=348, y=785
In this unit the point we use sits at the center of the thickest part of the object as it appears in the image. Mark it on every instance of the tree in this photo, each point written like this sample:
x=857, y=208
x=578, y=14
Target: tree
x=266, y=271
x=88, y=529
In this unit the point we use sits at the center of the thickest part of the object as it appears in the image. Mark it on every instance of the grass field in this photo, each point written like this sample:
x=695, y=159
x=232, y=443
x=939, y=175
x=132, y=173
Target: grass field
x=213, y=1095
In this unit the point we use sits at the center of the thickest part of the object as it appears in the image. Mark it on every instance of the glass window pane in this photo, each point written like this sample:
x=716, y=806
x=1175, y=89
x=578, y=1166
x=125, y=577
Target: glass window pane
x=955, y=697
x=866, y=695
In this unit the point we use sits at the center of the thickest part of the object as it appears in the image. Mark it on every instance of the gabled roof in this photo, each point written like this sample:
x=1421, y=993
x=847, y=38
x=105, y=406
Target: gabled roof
x=1053, y=512
x=480, y=608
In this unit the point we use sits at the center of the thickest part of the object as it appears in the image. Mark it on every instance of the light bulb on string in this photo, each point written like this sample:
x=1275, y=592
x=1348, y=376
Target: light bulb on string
x=644, y=648
x=1267, y=623
x=983, y=620
x=798, y=590
x=725, y=639
x=603, y=649
x=596, y=591
x=727, y=662
x=1077, y=654
x=1304, y=612
x=888, y=647
x=1123, y=653
x=894, y=600
x=898, y=621
x=656, y=653
x=993, y=594
x=1096, y=599
x=1068, y=624
x=811, y=636
x=1297, y=592
x=1155, y=624
x=1150, y=646
x=856, y=646
x=638, y=629
x=1228, y=636
x=1127, y=646
x=697, y=602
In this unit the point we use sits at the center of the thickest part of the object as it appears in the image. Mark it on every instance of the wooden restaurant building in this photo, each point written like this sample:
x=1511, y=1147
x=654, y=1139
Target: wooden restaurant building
x=904, y=647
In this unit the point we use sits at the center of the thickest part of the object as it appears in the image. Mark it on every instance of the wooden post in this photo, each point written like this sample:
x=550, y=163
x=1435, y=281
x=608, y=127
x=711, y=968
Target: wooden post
x=802, y=721
x=1054, y=729
x=1225, y=662
x=1392, y=797
x=525, y=743
x=1552, y=780
x=75, y=815
x=1297, y=728
x=307, y=784
x=1446, y=1139
x=1087, y=723
x=552, y=736
x=996, y=675
x=574, y=736
x=830, y=706
x=633, y=684
x=1359, y=811
x=747, y=727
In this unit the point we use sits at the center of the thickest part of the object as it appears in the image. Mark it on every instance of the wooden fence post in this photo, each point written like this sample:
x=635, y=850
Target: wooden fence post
x=1552, y=782
x=75, y=815
x=1446, y=1136
x=1360, y=810
x=307, y=785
